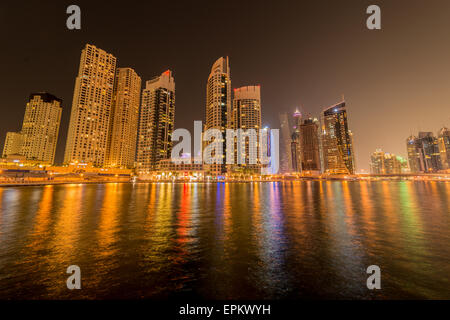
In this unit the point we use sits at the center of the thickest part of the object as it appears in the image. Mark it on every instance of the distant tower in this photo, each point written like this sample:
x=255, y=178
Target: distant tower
x=337, y=143
x=444, y=147
x=285, y=144
x=90, y=118
x=296, y=150
x=125, y=117
x=156, y=122
x=218, y=105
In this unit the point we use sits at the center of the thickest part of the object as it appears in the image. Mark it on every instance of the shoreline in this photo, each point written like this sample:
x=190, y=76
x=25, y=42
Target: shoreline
x=49, y=183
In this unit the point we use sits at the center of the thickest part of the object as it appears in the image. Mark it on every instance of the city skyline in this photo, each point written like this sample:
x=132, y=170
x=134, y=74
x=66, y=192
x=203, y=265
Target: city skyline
x=305, y=76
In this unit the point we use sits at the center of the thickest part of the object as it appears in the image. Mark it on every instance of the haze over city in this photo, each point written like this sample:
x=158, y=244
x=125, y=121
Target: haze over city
x=394, y=80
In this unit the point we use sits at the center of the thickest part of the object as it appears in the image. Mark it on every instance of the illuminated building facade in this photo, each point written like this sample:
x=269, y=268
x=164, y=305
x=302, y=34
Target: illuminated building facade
x=218, y=105
x=40, y=128
x=125, y=117
x=337, y=143
x=444, y=147
x=90, y=117
x=285, y=144
x=296, y=151
x=309, y=145
x=430, y=151
x=387, y=163
x=246, y=114
x=156, y=122
x=13, y=144
x=415, y=155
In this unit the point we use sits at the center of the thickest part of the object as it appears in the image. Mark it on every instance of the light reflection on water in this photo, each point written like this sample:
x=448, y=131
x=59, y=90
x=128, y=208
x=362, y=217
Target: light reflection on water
x=226, y=241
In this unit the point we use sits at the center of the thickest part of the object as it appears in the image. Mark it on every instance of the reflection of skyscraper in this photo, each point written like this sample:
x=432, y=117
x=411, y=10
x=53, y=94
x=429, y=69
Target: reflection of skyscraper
x=218, y=105
x=125, y=116
x=337, y=141
x=444, y=147
x=285, y=144
x=246, y=114
x=156, y=122
x=309, y=145
x=90, y=117
x=40, y=128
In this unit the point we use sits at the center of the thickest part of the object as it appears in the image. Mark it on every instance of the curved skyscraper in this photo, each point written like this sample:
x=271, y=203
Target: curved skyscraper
x=337, y=141
x=218, y=105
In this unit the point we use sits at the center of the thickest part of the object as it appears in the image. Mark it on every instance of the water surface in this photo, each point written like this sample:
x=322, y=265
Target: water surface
x=271, y=240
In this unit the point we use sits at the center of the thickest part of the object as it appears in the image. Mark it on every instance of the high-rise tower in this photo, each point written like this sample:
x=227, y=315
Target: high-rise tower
x=246, y=114
x=337, y=141
x=218, y=105
x=39, y=135
x=156, y=122
x=309, y=145
x=444, y=147
x=124, y=119
x=90, y=118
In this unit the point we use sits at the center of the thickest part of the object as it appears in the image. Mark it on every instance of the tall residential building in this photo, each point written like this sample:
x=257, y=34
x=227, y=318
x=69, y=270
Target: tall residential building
x=431, y=154
x=156, y=122
x=444, y=147
x=309, y=145
x=285, y=144
x=415, y=154
x=41, y=127
x=296, y=151
x=124, y=119
x=337, y=141
x=39, y=135
x=90, y=118
x=218, y=105
x=13, y=144
x=246, y=114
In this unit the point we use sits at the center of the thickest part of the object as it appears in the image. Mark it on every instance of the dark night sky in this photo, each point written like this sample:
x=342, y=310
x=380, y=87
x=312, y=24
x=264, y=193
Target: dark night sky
x=302, y=53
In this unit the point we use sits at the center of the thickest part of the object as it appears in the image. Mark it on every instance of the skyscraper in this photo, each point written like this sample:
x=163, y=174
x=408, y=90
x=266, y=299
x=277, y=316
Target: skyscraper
x=309, y=145
x=124, y=119
x=415, y=154
x=246, y=114
x=156, y=122
x=90, y=118
x=444, y=147
x=39, y=135
x=218, y=105
x=285, y=144
x=337, y=142
x=430, y=150
x=296, y=152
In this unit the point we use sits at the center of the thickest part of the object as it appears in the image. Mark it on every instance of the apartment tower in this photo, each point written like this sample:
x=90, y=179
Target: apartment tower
x=124, y=119
x=218, y=105
x=90, y=118
x=156, y=122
